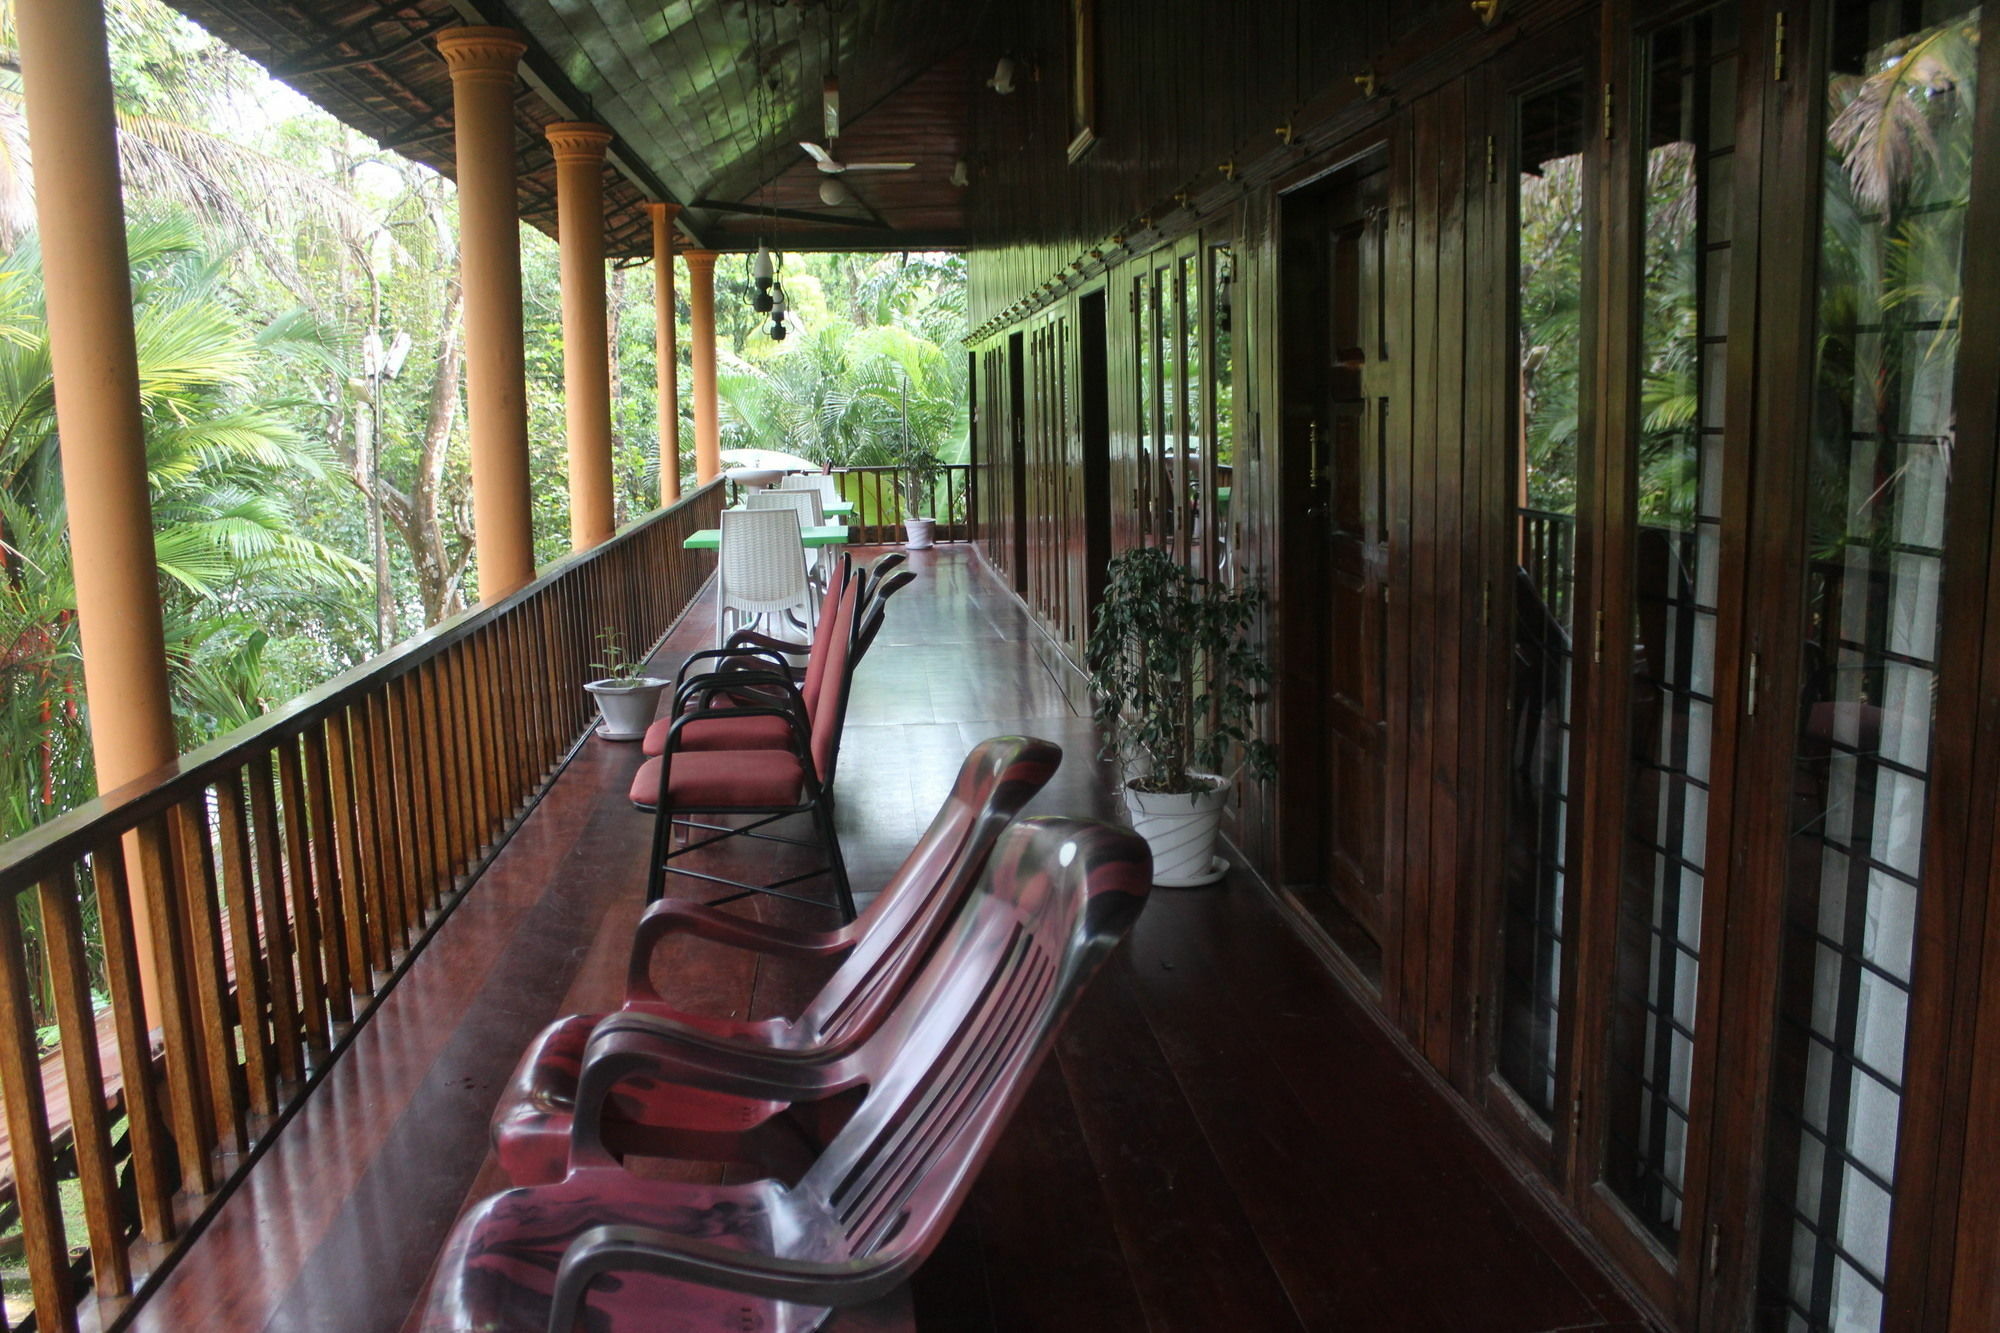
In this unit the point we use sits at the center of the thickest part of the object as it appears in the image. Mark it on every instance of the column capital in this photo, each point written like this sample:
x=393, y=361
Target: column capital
x=478, y=53
x=701, y=261
x=658, y=209
x=578, y=140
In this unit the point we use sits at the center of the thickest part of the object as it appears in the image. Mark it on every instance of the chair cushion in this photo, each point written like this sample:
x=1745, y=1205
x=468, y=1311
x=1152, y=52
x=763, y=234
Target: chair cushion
x=761, y=732
x=644, y=1116
x=723, y=780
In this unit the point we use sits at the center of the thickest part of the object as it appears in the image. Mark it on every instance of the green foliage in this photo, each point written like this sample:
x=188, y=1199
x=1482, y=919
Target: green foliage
x=221, y=466
x=1174, y=673
x=617, y=665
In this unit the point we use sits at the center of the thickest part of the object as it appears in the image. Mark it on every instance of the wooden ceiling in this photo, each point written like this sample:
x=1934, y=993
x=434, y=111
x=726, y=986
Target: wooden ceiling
x=708, y=98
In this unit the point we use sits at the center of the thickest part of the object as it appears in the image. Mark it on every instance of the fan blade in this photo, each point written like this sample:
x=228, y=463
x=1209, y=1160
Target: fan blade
x=821, y=158
x=879, y=166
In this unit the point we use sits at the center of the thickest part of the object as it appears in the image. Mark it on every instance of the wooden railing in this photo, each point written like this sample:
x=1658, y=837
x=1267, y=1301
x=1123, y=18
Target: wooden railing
x=1545, y=546
x=286, y=873
x=878, y=493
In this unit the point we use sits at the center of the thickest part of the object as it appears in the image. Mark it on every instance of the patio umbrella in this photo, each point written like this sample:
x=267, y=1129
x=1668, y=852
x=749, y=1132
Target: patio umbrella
x=766, y=460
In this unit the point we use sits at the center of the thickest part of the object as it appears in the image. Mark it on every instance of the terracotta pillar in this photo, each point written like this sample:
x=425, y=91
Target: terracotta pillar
x=87, y=280
x=701, y=309
x=666, y=351
x=482, y=63
x=579, y=149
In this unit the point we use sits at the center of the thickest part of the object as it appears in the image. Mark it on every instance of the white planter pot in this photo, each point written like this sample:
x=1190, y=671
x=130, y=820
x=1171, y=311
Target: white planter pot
x=627, y=706
x=919, y=533
x=1181, y=830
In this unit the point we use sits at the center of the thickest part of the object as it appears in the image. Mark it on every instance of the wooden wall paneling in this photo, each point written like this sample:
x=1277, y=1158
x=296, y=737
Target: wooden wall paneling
x=1423, y=464
x=1970, y=1262
x=1403, y=343
x=1448, y=594
x=1948, y=1210
x=1604, y=712
x=1790, y=152
x=1482, y=558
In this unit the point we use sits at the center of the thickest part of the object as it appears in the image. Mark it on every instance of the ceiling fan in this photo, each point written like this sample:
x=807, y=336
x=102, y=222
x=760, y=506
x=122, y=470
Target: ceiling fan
x=827, y=163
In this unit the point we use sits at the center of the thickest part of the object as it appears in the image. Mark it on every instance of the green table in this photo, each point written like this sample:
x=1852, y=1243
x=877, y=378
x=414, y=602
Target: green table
x=710, y=539
x=832, y=508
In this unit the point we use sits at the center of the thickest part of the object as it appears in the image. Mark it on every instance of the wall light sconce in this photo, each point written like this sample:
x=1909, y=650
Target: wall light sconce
x=1002, y=81
x=1488, y=11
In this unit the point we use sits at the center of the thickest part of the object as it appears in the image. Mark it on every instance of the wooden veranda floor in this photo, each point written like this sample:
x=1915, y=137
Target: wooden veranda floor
x=1224, y=1141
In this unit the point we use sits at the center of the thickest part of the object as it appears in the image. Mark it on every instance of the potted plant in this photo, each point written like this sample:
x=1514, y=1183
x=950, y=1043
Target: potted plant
x=626, y=697
x=920, y=467
x=1174, y=676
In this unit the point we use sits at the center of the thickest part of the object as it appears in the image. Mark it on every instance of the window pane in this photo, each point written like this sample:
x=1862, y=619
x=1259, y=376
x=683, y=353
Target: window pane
x=1690, y=80
x=1549, y=272
x=1898, y=164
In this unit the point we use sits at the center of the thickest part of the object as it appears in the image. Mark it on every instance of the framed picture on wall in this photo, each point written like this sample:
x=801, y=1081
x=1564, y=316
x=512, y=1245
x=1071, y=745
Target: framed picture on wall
x=1082, y=77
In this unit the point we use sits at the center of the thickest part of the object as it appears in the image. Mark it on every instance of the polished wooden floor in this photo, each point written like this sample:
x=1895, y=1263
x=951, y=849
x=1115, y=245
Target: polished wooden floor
x=1224, y=1141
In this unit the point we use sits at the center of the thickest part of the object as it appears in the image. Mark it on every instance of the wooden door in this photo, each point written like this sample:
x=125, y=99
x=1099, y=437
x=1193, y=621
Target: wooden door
x=1335, y=379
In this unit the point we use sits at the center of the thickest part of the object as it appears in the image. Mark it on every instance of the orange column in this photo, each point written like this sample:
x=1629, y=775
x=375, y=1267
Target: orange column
x=66, y=77
x=482, y=63
x=666, y=351
x=701, y=312
x=579, y=151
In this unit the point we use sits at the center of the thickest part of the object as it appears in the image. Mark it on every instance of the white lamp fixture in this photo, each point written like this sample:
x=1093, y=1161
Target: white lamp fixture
x=1002, y=81
x=960, y=176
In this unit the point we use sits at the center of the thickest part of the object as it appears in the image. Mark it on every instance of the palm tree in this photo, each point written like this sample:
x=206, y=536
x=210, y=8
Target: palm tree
x=222, y=468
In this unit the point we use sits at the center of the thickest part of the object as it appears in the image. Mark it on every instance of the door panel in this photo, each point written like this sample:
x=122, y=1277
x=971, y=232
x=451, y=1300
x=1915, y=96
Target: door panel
x=1335, y=537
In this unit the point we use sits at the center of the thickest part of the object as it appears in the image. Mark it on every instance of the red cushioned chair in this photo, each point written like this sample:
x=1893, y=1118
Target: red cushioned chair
x=609, y=1252
x=766, y=784
x=763, y=679
x=747, y=684
x=883, y=950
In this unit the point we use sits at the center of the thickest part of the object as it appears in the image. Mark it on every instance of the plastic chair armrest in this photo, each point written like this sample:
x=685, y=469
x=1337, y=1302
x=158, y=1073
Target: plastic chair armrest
x=760, y=640
x=611, y=1249
x=670, y=917
x=776, y=660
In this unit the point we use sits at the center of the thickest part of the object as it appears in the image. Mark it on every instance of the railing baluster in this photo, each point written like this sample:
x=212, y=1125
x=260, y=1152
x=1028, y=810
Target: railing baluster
x=187, y=1081
x=353, y=893
x=401, y=817
x=245, y=952
x=443, y=794
x=145, y=1131
x=480, y=766
x=313, y=1026
x=464, y=757
x=218, y=1038
x=383, y=804
x=28, y=1133
x=90, y=1119
x=324, y=793
x=266, y=842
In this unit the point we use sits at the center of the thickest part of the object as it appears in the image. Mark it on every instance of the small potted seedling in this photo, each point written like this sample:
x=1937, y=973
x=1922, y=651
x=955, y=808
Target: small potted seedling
x=1175, y=674
x=625, y=695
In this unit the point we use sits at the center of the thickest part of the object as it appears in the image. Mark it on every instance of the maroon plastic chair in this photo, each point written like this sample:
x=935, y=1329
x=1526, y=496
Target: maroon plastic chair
x=766, y=784
x=607, y=1251
x=884, y=949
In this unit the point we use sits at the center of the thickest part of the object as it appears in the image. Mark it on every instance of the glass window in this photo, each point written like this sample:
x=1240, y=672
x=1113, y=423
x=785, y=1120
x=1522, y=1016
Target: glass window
x=1549, y=217
x=1898, y=165
x=1689, y=108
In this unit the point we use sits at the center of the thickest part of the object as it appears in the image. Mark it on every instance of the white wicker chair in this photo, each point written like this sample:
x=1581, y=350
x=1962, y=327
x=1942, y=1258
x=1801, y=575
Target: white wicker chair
x=811, y=515
x=762, y=568
x=813, y=481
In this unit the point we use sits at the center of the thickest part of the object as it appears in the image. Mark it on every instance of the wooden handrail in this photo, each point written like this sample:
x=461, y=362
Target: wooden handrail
x=24, y=858
x=286, y=873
